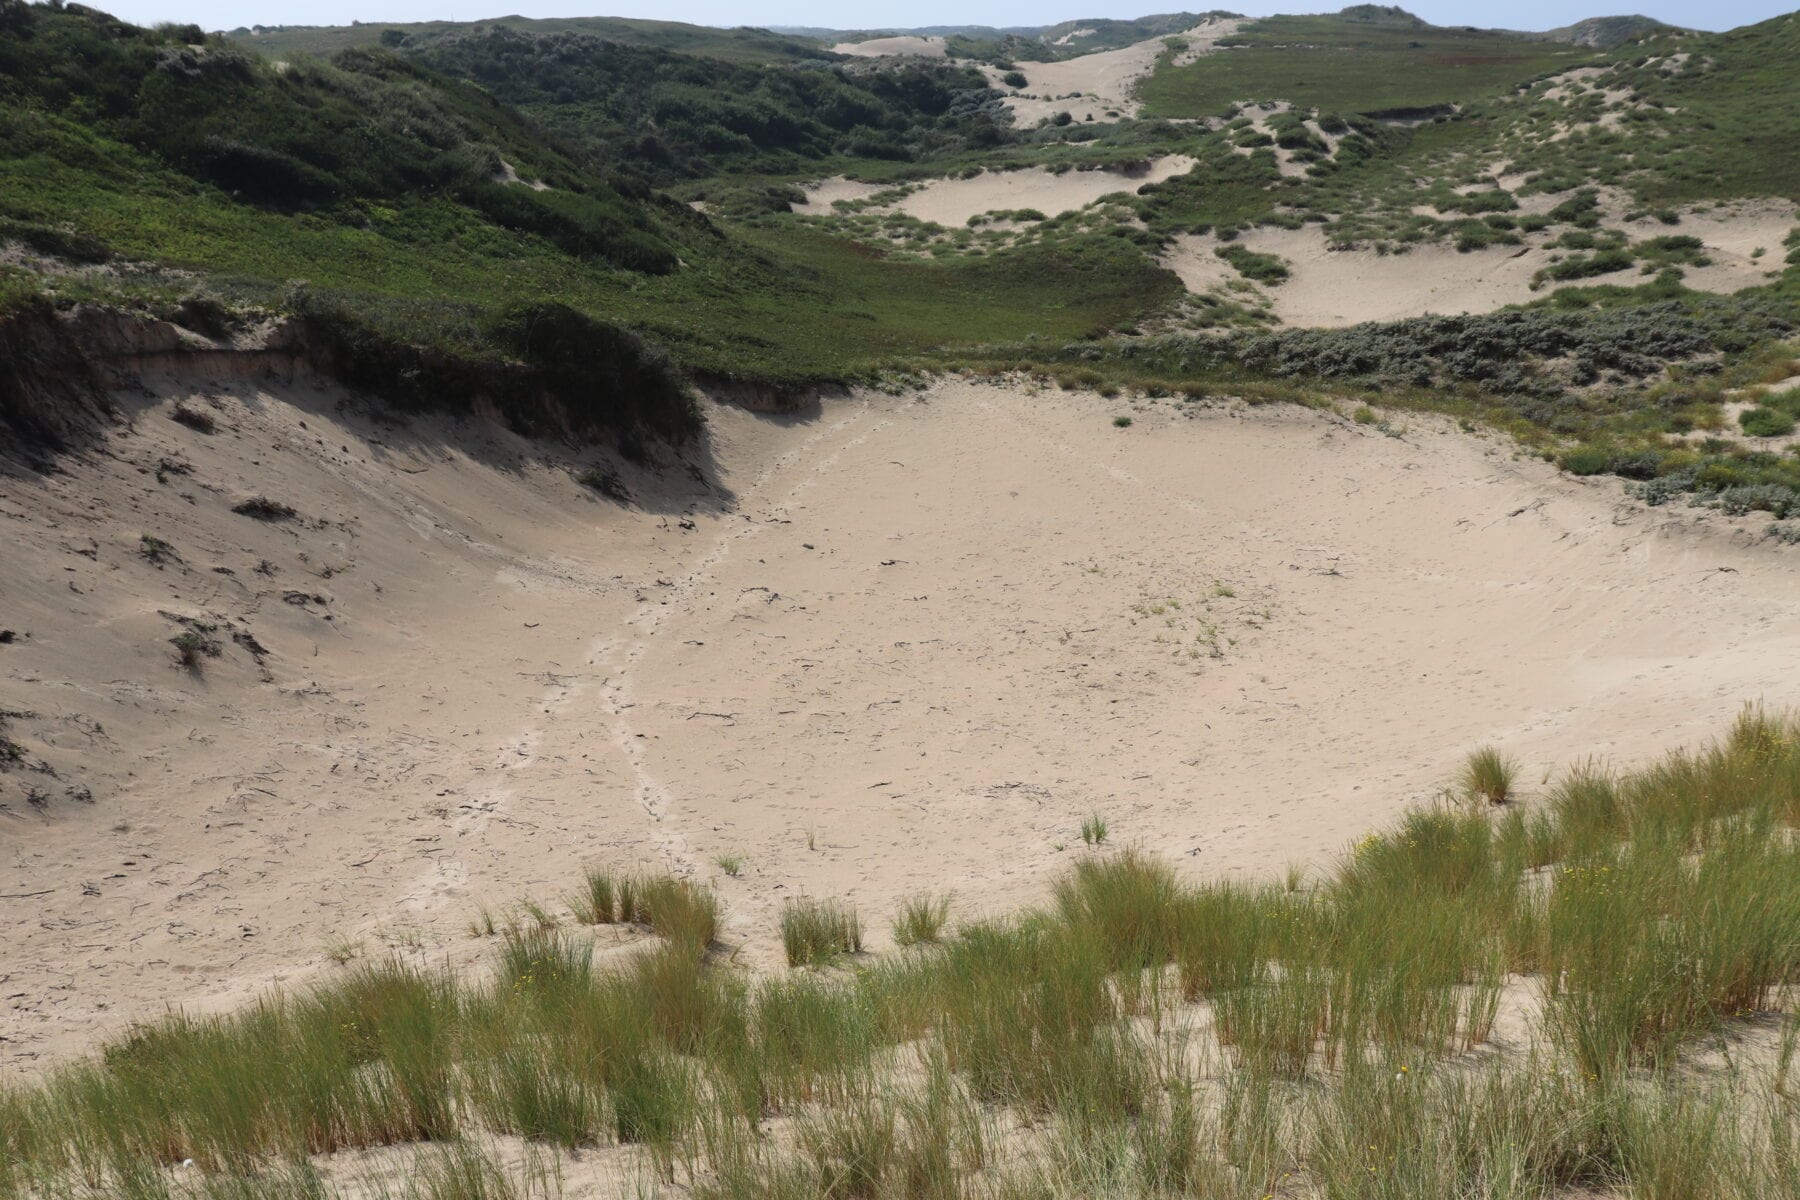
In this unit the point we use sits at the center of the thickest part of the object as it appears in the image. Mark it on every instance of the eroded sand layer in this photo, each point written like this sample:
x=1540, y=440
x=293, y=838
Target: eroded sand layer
x=893, y=644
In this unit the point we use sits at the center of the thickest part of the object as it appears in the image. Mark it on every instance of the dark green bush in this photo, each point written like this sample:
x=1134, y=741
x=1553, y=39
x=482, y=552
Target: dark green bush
x=1766, y=422
x=1264, y=268
x=1586, y=460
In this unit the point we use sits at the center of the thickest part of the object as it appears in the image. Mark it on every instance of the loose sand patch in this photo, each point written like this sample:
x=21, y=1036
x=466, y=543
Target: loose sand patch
x=1101, y=86
x=821, y=196
x=926, y=635
x=954, y=201
x=894, y=47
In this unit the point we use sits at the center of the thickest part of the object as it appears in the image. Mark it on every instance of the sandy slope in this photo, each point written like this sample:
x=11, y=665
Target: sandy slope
x=909, y=47
x=1100, y=86
x=925, y=634
x=952, y=202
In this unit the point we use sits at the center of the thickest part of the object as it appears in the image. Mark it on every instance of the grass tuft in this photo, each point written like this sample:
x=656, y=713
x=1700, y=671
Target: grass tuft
x=1488, y=775
x=819, y=931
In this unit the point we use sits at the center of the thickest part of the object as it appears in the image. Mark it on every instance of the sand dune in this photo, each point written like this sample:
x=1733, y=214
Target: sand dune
x=1334, y=288
x=952, y=202
x=909, y=47
x=1100, y=86
x=892, y=644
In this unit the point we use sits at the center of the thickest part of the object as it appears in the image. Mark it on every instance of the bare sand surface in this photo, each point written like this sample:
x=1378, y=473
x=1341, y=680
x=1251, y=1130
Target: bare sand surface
x=1101, y=86
x=952, y=202
x=1334, y=288
x=821, y=196
x=883, y=645
x=892, y=47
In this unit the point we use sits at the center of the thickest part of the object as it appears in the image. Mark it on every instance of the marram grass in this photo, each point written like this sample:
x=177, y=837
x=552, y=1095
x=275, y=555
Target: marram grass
x=1142, y=1036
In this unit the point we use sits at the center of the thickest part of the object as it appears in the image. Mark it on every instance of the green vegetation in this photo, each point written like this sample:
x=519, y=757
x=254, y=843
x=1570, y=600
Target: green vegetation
x=1263, y=268
x=426, y=276
x=921, y=920
x=676, y=116
x=1340, y=63
x=1488, y=775
x=1766, y=422
x=819, y=931
x=743, y=44
x=1140, y=1037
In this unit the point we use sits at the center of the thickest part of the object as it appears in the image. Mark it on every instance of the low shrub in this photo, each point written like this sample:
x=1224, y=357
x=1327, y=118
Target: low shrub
x=1766, y=422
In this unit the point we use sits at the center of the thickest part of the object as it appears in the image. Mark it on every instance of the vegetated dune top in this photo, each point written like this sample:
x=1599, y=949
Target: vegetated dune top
x=905, y=46
x=952, y=202
x=886, y=645
x=1332, y=288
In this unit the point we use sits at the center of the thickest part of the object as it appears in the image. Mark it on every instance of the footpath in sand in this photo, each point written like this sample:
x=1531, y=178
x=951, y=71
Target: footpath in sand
x=881, y=646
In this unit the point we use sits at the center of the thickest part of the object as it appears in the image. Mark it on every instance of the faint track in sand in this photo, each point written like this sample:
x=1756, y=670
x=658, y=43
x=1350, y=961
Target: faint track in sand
x=614, y=657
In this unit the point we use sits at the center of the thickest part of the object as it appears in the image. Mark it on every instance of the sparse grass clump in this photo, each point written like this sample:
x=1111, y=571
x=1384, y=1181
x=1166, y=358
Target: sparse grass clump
x=193, y=647
x=1093, y=830
x=819, y=931
x=683, y=912
x=1488, y=775
x=1642, y=910
x=921, y=920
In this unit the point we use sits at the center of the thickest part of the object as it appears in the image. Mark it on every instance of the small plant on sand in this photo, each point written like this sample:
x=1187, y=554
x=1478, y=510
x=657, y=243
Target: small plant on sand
x=732, y=863
x=264, y=509
x=1093, y=830
x=194, y=418
x=156, y=551
x=1364, y=415
x=541, y=917
x=921, y=920
x=598, y=902
x=605, y=481
x=1488, y=775
x=193, y=648
x=343, y=950
x=1121, y=422
x=818, y=931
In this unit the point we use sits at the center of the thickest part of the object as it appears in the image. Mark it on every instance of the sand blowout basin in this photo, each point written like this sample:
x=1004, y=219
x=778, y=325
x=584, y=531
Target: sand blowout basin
x=929, y=634
x=952, y=202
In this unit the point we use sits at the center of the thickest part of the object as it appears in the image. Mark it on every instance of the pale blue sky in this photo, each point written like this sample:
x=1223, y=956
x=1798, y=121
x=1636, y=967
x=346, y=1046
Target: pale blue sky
x=865, y=14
